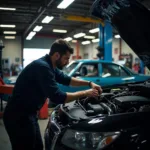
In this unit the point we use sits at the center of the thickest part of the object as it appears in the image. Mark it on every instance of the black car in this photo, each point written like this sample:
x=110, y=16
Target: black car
x=119, y=118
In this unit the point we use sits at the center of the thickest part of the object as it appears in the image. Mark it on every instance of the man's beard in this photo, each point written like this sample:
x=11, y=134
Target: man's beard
x=59, y=65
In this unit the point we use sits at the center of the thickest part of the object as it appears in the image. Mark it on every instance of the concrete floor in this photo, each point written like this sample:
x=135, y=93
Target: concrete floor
x=4, y=140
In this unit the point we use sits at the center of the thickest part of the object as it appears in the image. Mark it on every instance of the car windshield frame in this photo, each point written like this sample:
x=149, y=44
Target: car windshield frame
x=70, y=67
x=129, y=69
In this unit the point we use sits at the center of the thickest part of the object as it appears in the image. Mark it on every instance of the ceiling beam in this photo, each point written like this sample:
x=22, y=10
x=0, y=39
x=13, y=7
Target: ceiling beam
x=83, y=19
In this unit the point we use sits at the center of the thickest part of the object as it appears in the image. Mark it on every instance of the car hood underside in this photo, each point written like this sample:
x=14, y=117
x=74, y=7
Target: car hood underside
x=131, y=19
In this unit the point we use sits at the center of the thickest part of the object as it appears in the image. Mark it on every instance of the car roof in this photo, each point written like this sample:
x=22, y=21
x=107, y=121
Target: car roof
x=94, y=61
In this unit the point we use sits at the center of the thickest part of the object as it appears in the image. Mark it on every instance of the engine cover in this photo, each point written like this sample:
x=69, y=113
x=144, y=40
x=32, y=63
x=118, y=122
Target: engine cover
x=129, y=101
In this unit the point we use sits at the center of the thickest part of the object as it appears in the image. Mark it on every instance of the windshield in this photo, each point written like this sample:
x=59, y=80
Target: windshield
x=70, y=67
x=133, y=72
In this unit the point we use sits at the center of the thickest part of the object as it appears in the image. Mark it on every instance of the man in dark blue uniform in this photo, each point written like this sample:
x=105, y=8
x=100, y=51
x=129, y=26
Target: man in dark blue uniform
x=37, y=82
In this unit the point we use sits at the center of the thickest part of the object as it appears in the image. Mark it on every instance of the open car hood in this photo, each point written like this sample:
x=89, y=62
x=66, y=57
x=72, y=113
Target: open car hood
x=131, y=19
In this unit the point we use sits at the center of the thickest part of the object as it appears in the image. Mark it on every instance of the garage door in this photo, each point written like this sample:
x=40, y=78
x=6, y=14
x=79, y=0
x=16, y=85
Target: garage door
x=30, y=54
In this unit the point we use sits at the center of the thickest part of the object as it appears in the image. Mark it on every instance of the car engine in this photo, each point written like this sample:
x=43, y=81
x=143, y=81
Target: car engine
x=112, y=103
x=127, y=99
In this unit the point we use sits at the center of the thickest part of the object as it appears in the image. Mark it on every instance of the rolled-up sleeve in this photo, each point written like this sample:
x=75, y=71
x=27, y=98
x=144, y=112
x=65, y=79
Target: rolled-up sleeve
x=62, y=78
x=49, y=87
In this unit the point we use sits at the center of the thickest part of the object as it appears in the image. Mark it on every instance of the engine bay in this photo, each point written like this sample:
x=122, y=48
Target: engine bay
x=128, y=99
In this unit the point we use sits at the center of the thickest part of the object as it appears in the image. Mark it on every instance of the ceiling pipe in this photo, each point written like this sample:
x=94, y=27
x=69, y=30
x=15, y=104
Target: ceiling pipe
x=41, y=11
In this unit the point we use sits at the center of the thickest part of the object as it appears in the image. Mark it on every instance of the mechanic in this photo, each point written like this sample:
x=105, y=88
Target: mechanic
x=36, y=83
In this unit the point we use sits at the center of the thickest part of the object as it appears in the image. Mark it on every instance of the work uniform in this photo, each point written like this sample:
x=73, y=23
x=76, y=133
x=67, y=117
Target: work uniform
x=36, y=83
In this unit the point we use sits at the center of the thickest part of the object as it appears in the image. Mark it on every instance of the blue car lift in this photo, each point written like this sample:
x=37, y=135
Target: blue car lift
x=105, y=42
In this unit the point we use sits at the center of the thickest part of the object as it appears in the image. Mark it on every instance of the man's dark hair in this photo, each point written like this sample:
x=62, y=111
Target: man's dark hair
x=61, y=46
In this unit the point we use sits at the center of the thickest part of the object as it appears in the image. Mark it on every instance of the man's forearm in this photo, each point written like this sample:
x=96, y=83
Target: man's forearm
x=87, y=93
x=75, y=96
x=78, y=82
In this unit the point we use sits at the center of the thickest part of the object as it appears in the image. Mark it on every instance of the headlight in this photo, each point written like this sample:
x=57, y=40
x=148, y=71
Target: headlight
x=88, y=140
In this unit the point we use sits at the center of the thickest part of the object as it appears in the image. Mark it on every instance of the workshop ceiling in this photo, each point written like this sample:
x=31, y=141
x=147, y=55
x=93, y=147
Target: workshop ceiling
x=28, y=10
x=30, y=13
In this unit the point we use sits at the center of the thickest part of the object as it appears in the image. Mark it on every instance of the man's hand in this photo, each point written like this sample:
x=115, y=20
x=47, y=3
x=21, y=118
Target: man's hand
x=97, y=87
x=91, y=93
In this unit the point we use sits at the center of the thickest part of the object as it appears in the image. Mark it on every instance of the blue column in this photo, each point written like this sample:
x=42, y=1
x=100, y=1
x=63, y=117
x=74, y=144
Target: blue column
x=108, y=41
x=101, y=36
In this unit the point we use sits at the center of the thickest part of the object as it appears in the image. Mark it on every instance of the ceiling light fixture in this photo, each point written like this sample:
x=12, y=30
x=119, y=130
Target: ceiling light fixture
x=117, y=36
x=65, y=3
x=86, y=42
x=94, y=30
x=59, y=31
x=68, y=39
x=9, y=32
x=37, y=28
x=10, y=37
x=95, y=40
x=47, y=19
x=89, y=37
x=79, y=35
x=6, y=8
x=30, y=35
x=7, y=26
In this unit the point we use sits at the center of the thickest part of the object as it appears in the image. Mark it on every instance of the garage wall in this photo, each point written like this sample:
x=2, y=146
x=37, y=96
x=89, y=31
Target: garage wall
x=92, y=51
x=89, y=51
x=73, y=45
x=12, y=49
x=115, y=49
x=127, y=49
x=39, y=42
x=45, y=43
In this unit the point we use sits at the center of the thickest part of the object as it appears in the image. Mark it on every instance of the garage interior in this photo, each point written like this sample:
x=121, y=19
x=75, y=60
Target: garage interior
x=29, y=27
x=73, y=20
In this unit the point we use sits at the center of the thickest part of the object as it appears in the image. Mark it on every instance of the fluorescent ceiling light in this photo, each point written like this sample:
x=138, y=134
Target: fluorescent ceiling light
x=117, y=36
x=95, y=40
x=9, y=37
x=94, y=30
x=32, y=33
x=47, y=19
x=86, y=42
x=65, y=3
x=30, y=36
x=6, y=8
x=9, y=32
x=37, y=28
x=79, y=35
x=68, y=39
x=89, y=37
x=74, y=41
x=59, y=31
x=7, y=26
